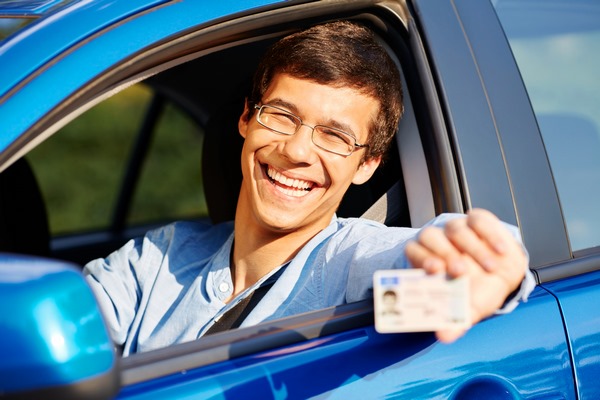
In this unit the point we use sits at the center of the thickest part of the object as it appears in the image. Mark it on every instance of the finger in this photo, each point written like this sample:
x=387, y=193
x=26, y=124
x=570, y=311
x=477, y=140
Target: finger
x=490, y=229
x=466, y=240
x=449, y=335
x=510, y=254
x=488, y=291
x=421, y=257
x=435, y=240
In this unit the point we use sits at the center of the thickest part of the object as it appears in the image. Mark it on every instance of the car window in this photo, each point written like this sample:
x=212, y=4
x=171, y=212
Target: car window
x=555, y=44
x=8, y=26
x=82, y=169
x=170, y=185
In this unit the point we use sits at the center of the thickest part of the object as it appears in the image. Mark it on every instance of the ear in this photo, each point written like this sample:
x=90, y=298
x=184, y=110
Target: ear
x=243, y=121
x=366, y=170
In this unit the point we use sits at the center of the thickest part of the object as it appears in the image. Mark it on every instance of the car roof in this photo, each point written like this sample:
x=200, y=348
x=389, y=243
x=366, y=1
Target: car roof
x=56, y=29
x=74, y=41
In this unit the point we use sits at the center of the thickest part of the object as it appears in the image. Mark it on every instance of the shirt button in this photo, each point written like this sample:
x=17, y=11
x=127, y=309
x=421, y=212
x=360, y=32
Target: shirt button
x=224, y=287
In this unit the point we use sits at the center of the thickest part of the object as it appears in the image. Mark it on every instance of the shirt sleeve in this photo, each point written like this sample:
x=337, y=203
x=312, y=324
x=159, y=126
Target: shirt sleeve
x=383, y=248
x=115, y=285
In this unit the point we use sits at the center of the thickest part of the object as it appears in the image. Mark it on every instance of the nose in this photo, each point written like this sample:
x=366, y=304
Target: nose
x=298, y=147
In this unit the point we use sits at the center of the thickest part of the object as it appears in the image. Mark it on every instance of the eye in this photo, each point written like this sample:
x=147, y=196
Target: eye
x=278, y=119
x=283, y=117
x=334, y=136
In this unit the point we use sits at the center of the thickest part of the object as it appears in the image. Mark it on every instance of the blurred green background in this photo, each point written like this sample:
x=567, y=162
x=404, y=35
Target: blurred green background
x=80, y=168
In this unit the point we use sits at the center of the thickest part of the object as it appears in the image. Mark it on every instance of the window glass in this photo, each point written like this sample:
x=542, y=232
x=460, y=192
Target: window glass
x=555, y=44
x=11, y=25
x=81, y=168
x=170, y=186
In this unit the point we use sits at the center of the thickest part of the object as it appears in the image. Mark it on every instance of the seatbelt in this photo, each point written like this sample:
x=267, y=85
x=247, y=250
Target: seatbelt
x=238, y=313
x=387, y=208
x=234, y=317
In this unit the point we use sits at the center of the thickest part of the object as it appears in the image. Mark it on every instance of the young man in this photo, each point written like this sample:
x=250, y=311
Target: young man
x=323, y=109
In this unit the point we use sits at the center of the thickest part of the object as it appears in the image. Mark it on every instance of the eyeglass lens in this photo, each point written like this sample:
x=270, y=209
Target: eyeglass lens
x=284, y=122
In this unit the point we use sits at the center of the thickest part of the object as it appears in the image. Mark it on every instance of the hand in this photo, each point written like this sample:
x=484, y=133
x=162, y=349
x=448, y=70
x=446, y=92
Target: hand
x=480, y=247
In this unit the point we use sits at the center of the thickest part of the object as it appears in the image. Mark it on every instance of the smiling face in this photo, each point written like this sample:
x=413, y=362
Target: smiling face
x=289, y=184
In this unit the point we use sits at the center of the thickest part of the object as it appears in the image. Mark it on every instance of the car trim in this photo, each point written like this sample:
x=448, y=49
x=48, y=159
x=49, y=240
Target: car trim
x=434, y=133
x=586, y=261
x=527, y=167
x=244, y=341
x=494, y=123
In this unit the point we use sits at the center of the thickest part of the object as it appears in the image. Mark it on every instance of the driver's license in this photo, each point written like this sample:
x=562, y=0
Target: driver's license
x=409, y=300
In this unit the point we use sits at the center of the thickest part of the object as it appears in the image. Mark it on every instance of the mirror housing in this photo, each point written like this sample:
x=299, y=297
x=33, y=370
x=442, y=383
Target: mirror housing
x=53, y=341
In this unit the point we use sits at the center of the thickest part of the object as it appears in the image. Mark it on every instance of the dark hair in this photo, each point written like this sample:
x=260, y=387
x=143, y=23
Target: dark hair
x=342, y=54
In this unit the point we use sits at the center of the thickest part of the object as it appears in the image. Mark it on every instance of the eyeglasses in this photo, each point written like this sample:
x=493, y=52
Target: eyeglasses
x=284, y=122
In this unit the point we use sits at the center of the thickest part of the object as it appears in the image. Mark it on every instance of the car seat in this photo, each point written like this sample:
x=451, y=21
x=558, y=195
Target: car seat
x=23, y=219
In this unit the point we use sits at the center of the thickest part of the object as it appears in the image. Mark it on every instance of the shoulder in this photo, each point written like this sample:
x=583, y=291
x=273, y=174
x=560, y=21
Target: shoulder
x=353, y=230
x=188, y=236
x=189, y=229
x=173, y=246
x=181, y=240
x=357, y=226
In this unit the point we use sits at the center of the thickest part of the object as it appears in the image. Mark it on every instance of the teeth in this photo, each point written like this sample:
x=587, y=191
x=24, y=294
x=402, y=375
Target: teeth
x=292, y=192
x=301, y=187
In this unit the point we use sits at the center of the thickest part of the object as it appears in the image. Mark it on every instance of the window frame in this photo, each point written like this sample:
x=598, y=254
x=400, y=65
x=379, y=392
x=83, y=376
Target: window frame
x=195, y=43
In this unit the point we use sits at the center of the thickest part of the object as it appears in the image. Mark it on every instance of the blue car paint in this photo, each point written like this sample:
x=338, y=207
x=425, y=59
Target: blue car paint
x=577, y=297
x=69, y=61
x=27, y=8
x=31, y=313
x=57, y=32
x=360, y=362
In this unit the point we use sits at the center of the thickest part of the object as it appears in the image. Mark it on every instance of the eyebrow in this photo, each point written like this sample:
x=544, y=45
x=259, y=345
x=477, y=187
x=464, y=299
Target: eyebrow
x=332, y=123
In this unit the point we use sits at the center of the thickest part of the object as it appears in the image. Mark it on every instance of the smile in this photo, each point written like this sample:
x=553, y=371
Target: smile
x=289, y=186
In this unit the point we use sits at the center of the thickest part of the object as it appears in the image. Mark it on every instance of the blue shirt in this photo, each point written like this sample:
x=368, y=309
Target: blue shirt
x=170, y=286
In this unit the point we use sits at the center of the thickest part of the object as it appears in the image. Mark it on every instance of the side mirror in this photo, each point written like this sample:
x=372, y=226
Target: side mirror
x=53, y=341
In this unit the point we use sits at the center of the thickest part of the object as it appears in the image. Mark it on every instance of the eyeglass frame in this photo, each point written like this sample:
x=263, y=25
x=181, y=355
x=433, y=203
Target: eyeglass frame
x=312, y=134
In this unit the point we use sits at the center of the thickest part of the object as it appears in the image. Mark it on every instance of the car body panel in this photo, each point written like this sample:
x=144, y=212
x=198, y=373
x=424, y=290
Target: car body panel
x=575, y=296
x=360, y=362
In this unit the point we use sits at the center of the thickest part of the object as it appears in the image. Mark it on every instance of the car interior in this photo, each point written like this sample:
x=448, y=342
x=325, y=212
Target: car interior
x=211, y=90
x=23, y=220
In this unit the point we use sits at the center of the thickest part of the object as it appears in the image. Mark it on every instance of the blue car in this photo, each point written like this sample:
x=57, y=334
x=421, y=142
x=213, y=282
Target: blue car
x=117, y=116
